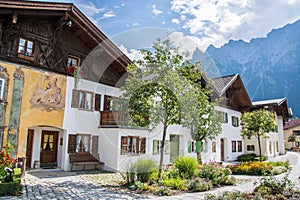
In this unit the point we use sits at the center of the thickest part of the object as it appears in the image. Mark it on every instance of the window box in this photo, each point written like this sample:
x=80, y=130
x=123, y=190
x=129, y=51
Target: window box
x=26, y=56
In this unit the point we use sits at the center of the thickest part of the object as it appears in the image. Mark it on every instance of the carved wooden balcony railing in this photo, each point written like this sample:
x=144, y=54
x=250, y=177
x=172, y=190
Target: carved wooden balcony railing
x=110, y=118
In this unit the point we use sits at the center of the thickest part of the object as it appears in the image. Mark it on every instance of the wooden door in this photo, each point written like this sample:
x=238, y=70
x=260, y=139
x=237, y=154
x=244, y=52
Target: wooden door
x=49, y=147
x=222, y=150
x=29, y=147
x=174, y=147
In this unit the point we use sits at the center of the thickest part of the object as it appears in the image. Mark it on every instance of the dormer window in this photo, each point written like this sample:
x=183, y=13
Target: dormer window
x=25, y=49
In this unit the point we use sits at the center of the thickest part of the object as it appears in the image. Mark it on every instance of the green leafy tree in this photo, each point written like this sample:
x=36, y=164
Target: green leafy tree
x=292, y=139
x=156, y=92
x=200, y=115
x=258, y=123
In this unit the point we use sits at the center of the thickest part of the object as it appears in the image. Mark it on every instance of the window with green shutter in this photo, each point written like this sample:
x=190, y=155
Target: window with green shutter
x=189, y=147
x=155, y=147
x=198, y=146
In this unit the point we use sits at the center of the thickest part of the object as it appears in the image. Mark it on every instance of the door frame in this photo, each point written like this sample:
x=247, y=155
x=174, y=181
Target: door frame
x=222, y=145
x=29, y=147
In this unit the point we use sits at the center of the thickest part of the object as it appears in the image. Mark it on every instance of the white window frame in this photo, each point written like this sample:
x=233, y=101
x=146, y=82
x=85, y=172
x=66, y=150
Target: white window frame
x=2, y=84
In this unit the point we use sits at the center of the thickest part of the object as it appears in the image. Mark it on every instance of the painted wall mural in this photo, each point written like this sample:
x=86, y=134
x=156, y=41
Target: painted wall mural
x=47, y=94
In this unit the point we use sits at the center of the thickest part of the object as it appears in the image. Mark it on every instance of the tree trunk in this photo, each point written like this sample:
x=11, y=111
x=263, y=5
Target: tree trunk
x=259, y=148
x=199, y=158
x=162, y=151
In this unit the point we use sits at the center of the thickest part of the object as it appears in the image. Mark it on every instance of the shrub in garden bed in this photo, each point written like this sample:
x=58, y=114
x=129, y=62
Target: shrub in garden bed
x=141, y=170
x=186, y=166
x=216, y=173
x=249, y=157
x=10, y=179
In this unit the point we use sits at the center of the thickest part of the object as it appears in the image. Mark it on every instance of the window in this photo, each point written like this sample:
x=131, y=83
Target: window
x=25, y=47
x=250, y=147
x=133, y=145
x=2, y=81
x=240, y=146
x=82, y=99
x=73, y=61
x=235, y=121
x=296, y=132
x=97, y=105
x=107, y=102
x=233, y=146
x=191, y=146
x=79, y=143
x=270, y=147
x=157, y=147
x=213, y=147
x=277, y=148
x=297, y=144
x=224, y=116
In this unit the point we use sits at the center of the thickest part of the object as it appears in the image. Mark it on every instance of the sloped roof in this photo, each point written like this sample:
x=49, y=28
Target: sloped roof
x=269, y=102
x=232, y=88
x=278, y=105
x=81, y=27
x=224, y=82
x=291, y=124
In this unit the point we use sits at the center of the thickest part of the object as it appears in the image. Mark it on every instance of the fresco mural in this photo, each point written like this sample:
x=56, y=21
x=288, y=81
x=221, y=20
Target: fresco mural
x=47, y=94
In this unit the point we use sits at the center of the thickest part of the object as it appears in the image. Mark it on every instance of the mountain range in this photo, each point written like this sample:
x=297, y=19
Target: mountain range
x=269, y=66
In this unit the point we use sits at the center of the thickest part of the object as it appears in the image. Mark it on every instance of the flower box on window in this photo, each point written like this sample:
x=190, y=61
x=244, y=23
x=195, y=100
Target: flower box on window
x=26, y=56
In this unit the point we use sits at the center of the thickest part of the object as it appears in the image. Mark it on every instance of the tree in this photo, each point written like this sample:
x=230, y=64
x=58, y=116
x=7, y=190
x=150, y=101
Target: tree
x=156, y=93
x=200, y=115
x=258, y=124
x=292, y=138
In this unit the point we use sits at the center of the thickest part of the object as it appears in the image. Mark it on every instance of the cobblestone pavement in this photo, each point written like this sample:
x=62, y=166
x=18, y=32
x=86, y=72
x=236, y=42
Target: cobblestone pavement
x=71, y=185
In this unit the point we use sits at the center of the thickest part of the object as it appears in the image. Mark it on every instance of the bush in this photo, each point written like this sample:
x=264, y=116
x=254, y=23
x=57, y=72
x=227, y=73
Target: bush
x=271, y=186
x=186, y=166
x=250, y=157
x=175, y=183
x=161, y=190
x=215, y=172
x=141, y=170
x=229, y=196
x=246, y=157
x=199, y=185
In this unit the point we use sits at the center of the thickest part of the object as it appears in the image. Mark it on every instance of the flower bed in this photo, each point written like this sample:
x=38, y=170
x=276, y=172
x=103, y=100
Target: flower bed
x=260, y=168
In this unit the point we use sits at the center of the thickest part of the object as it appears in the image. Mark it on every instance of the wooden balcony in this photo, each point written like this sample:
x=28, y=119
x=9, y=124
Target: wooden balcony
x=112, y=119
x=109, y=118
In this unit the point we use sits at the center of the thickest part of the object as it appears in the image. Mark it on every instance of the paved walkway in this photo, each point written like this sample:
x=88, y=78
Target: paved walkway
x=70, y=185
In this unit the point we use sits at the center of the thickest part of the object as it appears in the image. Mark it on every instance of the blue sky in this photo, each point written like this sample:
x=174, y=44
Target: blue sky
x=135, y=24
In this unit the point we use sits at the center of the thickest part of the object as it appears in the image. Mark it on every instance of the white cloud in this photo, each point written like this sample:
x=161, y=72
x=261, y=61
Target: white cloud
x=156, y=11
x=175, y=21
x=108, y=14
x=216, y=22
x=135, y=24
x=185, y=43
x=132, y=54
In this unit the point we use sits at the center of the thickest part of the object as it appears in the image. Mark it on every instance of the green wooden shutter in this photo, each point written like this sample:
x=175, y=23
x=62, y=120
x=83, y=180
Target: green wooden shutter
x=237, y=122
x=155, y=147
x=189, y=147
x=167, y=147
x=226, y=117
x=198, y=146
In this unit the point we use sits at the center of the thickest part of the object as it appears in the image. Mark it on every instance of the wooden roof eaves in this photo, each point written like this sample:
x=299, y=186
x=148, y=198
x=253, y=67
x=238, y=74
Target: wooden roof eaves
x=35, y=5
x=98, y=36
x=77, y=16
x=228, y=85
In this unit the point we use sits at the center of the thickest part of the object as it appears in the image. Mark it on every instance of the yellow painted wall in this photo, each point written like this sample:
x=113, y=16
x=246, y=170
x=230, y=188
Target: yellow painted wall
x=287, y=133
x=34, y=115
